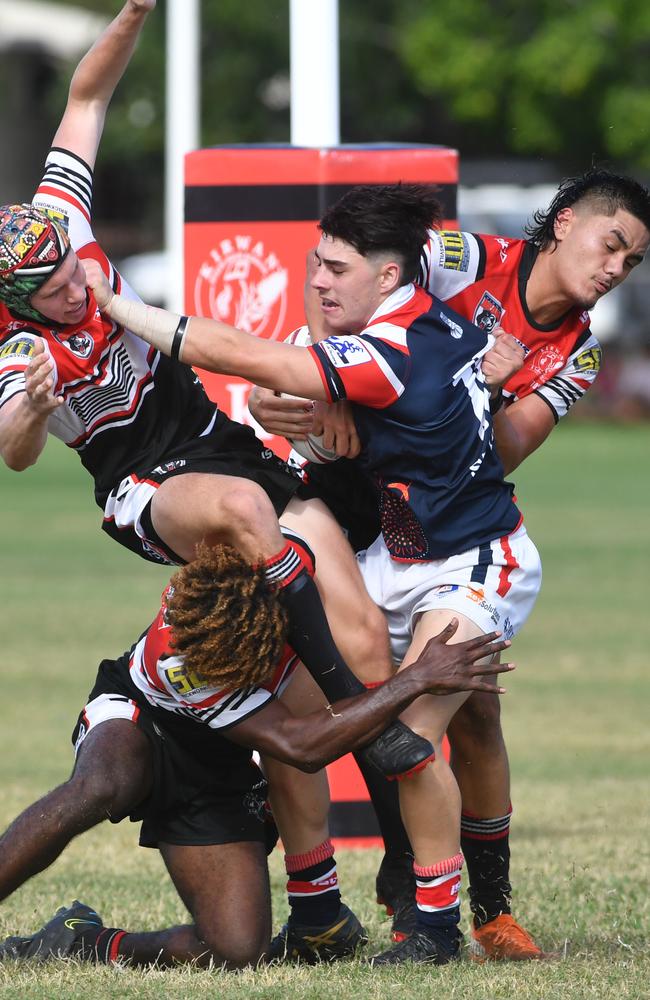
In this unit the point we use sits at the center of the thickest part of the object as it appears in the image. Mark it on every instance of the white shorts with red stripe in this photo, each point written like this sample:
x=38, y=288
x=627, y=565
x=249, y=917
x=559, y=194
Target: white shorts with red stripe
x=494, y=585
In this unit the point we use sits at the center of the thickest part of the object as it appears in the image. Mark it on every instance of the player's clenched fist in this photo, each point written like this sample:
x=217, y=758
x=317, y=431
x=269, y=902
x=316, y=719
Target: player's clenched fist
x=505, y=357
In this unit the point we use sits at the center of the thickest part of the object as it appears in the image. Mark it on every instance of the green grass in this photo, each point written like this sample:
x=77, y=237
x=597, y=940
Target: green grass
x=576, y=720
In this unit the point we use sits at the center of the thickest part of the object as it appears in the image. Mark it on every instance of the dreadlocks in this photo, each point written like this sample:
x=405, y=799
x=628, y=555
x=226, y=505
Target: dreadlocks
x=227, y=623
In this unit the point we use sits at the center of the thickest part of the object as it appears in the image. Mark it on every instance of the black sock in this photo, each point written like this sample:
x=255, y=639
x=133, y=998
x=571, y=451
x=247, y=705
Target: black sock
x=485, y=844
x=313, y=887
x=309, y=633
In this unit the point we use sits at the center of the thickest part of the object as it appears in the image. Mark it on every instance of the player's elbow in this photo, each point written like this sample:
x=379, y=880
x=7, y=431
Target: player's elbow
x=294, y=744
x=16, y=461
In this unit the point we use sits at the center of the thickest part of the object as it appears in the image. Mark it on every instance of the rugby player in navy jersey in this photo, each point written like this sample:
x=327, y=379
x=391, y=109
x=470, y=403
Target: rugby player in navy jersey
x=166, y=738
x=593, y=234
x=452, y=540
x=169, y=469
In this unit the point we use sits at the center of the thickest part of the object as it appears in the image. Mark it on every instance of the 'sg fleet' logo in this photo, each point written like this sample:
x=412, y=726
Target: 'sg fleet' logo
x=243, y=284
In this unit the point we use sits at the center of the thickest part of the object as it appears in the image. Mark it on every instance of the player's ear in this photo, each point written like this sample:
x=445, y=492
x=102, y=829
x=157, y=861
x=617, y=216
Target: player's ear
x=390, y=277
x=563, y=222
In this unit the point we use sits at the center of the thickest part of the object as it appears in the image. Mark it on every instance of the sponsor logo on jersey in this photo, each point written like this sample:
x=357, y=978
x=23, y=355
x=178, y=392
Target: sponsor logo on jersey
x=455, y=250
x=184, y=681
x=244, y=284
x=547, y=360
x=344, y=353
x=449, y=588
x=80, y=343
x=55, y=213
x=455, y=329
x=20, y=347
x=590, y=360
x=488, y=313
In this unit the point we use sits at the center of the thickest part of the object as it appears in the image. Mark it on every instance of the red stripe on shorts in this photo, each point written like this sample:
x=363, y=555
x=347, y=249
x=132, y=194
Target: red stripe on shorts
x=511, y=563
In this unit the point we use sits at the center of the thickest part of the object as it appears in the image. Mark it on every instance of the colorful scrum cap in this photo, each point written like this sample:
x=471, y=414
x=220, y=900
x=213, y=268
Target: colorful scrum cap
x=32, y=247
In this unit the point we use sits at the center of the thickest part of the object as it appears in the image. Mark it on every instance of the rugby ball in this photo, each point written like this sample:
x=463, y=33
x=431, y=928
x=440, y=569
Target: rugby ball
x=312, y=448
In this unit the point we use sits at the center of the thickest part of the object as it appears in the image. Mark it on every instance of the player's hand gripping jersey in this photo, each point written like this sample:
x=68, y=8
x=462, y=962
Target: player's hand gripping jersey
x=424, y=421
x=125, y=404
x=484, y=278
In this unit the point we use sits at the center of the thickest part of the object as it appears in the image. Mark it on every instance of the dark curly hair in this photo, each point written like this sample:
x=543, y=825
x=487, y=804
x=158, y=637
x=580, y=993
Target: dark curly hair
x=386, y=218
x=600, y=190
x=227, y=622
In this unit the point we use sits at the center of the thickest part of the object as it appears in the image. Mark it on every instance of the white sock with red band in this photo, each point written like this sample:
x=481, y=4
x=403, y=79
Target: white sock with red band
x=437, y=889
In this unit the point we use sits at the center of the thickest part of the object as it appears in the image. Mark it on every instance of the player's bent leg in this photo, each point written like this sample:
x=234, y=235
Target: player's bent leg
x=224, y=886
x=226, y=889
x=230, y=510
x=357, y=624
x=111, y=776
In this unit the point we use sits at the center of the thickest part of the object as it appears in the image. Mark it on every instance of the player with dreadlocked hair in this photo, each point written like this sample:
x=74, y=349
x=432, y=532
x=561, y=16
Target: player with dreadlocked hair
x=166, y=738
x=227, y=623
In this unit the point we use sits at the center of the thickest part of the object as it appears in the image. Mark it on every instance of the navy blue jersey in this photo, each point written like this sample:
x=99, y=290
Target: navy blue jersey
x=422, y=413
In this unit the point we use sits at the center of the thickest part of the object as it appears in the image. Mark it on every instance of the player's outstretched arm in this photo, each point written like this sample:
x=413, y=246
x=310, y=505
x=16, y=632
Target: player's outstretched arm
x=209, y=344
x=95, y=80
x=314, y=740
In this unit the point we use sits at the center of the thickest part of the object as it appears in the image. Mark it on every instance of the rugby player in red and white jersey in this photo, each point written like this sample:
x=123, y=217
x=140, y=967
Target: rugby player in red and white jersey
x=540, y=291
x=452, y=539
x=170, y=470
x=166, y=738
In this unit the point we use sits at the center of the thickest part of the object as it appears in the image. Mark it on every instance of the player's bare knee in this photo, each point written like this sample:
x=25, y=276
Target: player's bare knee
x=372, y=660
x=246, y=514
x=480, y=716
x=237, y=950
x=100, y=795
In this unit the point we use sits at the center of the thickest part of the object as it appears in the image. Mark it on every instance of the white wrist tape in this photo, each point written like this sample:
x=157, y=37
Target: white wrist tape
x=163, y=330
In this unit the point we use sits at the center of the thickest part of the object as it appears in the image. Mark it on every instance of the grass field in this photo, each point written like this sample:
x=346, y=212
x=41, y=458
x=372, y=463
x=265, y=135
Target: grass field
x=576, y=720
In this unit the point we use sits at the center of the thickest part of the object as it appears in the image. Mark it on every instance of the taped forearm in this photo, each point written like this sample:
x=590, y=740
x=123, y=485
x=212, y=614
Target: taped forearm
x=162, y=329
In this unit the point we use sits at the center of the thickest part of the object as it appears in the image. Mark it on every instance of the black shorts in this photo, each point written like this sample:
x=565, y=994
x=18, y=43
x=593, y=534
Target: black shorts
x=205, y=789
x=230, y=449
x=350, y=494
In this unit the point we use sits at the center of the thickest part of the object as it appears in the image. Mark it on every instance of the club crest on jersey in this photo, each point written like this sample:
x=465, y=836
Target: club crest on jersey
x=455, y=329
x=547, y=360
x=243, y=284
x=344, y=352
x=488, y=313
x=81, y=343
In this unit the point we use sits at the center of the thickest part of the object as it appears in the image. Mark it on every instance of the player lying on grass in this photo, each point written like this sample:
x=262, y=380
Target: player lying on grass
x=166, y=738
x=169, y=469
x=452, y=540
